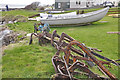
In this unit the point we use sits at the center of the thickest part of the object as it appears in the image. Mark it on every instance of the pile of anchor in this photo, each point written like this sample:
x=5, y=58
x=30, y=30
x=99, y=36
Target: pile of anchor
x=74, y=58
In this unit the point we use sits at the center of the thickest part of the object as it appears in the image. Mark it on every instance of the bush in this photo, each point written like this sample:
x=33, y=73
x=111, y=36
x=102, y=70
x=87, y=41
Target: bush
x=7, y=18
x=20, y=18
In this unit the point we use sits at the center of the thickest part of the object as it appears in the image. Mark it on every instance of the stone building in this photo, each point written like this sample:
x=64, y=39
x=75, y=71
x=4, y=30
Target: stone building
x=62, y=4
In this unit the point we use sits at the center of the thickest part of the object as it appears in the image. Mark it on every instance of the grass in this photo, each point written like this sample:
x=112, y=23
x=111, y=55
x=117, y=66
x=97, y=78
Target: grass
x=34, y=61
x=19, y=12
x=28, y=61
x=28, y=26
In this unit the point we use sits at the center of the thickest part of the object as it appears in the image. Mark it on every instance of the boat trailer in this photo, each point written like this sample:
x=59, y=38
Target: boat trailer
x=74, y=58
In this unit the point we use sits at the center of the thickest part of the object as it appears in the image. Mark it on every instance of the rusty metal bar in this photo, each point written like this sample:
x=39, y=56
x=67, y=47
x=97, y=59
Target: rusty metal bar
x=66, y=65
x=91, y=56
x=83, y=67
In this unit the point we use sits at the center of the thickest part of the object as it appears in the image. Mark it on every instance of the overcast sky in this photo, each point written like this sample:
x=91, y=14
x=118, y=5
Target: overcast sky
x=25, y=2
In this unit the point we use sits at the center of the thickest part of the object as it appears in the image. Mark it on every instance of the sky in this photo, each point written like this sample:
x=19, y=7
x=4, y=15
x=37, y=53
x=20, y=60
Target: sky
x=25, y=2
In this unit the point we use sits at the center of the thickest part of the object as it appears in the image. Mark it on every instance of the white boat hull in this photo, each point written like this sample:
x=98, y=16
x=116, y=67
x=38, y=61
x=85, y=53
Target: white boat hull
x=77, y=19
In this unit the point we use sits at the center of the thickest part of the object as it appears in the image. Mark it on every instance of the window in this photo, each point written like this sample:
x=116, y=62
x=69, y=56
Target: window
x=68, y=3
x=79, y=2
x=76, y=2
x=113, y=2
x=59, y=5
x=87, y=4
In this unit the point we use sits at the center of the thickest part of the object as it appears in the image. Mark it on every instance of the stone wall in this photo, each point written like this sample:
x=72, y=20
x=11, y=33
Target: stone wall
x=7, y=36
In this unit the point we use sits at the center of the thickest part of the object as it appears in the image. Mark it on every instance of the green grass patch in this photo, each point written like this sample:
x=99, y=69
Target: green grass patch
x=23, y=26
x=19, y=12
x=28, y=61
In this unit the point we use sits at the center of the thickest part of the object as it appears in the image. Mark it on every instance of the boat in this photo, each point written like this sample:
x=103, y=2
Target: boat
x=72, y=18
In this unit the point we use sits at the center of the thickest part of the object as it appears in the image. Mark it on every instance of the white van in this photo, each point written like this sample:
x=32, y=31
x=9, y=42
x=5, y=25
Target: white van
x=108, y=4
